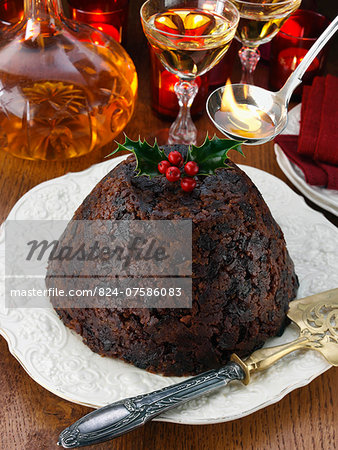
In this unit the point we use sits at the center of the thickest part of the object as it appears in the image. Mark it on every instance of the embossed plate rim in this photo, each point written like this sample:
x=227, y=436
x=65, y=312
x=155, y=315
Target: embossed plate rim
x=276, y=399
x=173, y=416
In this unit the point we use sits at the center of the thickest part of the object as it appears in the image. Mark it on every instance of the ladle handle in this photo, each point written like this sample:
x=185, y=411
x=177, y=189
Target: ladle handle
x=295, y=78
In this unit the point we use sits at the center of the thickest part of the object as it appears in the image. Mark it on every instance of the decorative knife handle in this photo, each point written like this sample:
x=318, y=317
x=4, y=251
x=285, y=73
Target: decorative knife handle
x=123, y=416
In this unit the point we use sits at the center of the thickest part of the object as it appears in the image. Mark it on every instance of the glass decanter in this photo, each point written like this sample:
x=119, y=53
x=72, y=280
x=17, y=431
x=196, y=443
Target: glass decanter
x=65, y=88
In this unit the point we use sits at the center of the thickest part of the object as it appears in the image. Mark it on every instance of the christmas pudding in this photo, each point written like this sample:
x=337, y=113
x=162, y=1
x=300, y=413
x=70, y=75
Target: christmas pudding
x=243, y=277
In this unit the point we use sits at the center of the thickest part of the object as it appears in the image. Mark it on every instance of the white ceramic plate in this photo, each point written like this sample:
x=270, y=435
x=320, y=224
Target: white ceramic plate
x=325, y=198
x=57, y=359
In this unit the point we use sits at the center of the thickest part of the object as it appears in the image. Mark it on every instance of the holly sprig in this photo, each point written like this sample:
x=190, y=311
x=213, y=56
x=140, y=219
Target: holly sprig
x=211, y=155
x=147, y=156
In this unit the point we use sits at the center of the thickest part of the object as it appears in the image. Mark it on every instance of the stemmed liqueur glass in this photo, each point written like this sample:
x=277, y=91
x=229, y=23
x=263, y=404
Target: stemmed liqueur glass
x=260, y=21
x=189, y=38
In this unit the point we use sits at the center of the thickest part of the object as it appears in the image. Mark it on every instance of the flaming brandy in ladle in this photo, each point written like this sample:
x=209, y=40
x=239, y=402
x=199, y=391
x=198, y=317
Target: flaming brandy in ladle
x=243, y=120
x=255, y=115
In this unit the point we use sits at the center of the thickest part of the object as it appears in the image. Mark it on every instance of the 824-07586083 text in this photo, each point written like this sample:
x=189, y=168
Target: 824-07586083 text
x=100, y=291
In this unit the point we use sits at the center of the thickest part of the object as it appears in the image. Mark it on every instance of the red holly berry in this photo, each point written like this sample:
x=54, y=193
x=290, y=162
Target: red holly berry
x=173, y=173
x=191, y=168
x=163, y=166
x=175, y=158
x=188, y=184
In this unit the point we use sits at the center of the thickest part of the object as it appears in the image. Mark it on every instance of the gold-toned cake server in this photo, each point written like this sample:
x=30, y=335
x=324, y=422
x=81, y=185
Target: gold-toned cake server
x=317, y=319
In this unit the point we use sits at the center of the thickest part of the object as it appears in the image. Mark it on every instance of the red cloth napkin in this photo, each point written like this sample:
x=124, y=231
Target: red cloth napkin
x=318, y=138
x=327, y=142
x=315, y=172
x=315, y=151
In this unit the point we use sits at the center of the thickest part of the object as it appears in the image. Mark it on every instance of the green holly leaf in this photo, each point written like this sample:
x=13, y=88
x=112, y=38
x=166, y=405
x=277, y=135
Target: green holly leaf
x=147, y=156
x=212, y=154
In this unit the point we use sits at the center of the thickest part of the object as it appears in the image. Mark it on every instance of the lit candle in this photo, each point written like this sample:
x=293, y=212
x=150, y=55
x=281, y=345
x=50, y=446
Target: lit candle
x=163, y=96
x=108, y=16
x=167, y=95
x=290, y=58
x=107, y=29
x=291, y=44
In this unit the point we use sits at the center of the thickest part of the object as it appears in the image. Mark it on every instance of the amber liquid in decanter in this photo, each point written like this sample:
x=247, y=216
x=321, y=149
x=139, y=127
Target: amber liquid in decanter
x=65, y=89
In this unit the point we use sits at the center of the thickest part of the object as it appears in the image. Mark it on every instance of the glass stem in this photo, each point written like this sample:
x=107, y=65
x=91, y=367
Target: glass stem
x=249, y=57
x=183, y=130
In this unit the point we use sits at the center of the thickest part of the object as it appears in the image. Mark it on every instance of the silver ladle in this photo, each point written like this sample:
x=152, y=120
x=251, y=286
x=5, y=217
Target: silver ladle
x=274, y=104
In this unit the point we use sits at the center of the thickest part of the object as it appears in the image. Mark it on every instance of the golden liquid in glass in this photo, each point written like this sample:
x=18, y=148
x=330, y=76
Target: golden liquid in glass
x=189, y=42
x=260, y=22
x=54, y=111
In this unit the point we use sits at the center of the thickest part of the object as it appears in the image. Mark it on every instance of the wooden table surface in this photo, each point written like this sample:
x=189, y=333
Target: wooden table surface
x=32, y=418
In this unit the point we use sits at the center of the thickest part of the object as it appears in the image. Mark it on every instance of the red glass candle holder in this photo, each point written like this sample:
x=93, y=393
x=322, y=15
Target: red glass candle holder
x=11, y=11
x=108, y=16
x=291, y=44
x=219, y=74
x=163, y=97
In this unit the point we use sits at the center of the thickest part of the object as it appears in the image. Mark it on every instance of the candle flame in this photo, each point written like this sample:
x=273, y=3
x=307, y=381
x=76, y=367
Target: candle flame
x=295, y=63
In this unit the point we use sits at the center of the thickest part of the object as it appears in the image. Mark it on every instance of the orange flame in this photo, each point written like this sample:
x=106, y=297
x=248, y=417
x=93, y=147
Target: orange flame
x=241, y=116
